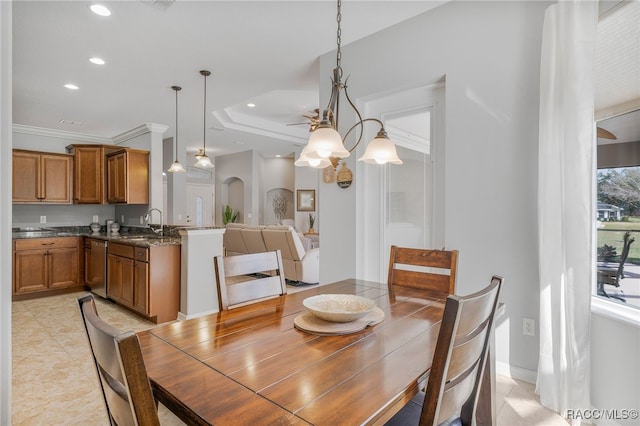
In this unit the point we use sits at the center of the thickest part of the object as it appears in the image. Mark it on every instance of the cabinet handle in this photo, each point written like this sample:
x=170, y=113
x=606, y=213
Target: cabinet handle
x=47, y=244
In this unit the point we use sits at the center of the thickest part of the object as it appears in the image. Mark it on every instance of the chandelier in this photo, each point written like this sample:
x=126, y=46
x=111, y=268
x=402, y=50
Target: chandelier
x=326, y=146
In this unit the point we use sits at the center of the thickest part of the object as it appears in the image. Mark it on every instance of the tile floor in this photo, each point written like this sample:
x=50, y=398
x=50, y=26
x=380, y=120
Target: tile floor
x=55, y=383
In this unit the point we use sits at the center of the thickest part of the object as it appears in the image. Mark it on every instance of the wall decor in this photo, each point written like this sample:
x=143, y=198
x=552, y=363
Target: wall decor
x=306, y=200
x=345, y=176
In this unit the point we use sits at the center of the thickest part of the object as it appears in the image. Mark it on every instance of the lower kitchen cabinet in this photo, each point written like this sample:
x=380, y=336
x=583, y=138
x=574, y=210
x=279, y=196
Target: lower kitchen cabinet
x=43, y=266
x=145, y=279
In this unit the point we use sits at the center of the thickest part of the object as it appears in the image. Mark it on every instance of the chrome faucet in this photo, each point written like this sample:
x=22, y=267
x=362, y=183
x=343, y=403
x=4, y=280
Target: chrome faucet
x=147, y=217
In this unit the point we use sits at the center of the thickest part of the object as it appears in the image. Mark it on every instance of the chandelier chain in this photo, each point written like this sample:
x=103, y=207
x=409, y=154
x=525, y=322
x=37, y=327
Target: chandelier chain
x=339, y=37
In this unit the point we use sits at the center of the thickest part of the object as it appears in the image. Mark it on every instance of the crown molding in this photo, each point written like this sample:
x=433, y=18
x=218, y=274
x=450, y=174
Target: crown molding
x=61, y=134
x=139, y=131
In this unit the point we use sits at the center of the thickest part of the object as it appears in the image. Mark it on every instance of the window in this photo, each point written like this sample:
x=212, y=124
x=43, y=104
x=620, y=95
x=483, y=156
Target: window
x=618, y=210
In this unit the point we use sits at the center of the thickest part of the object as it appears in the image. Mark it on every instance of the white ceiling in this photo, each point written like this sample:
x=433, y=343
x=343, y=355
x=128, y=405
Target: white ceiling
x=617, y=71
x=263, y=52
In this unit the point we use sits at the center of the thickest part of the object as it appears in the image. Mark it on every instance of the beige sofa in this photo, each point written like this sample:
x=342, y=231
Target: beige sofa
x=300, y=264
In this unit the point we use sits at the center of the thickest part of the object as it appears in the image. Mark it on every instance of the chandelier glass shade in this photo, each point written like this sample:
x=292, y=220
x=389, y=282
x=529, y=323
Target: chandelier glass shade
x=325, y=142
x=176, y=167
x=317, y=163
x=381, y=150
x=201, y=156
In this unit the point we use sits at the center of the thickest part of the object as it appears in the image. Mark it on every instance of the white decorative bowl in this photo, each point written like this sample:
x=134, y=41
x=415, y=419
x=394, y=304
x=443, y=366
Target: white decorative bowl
x=339, y=307
x=95, y=227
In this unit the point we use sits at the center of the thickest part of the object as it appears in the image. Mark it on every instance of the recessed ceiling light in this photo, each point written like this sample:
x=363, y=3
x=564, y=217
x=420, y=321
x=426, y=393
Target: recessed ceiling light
x=71, y=86
x=278, y=155
x=250, y=105
x=97, y=61
x=77, y=123
x=239, y=142
x=99, y=9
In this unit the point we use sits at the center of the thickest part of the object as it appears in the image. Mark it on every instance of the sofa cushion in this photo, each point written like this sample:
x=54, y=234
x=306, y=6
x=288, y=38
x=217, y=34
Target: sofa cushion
x=232, y=238
x=252, y=236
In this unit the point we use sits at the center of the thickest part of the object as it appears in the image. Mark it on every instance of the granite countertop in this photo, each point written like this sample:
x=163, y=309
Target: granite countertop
x=141, y=237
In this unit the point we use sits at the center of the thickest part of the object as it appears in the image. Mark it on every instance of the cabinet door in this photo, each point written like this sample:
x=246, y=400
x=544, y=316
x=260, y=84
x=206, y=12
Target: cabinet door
x=114, y=277
x=26, y=177
x=128, y=278
x=88, y=277
x=88, y=175
x=63, y=267
x=56, y=178
x=116, y=178
x=141, y=288
x=30, y=271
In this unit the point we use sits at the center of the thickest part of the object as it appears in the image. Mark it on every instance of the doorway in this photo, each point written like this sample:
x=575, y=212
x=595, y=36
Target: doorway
x=199, y=204
x=409, y=199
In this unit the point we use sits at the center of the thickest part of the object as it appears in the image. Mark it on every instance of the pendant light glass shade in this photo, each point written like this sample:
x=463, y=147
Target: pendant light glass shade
x=381, y=150
x=176, y=167
x=203, y=159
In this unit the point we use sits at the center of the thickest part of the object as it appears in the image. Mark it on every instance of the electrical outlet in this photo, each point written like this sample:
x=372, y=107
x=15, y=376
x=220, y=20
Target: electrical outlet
x=43, y=219
x=121, y=218
x=528, y=326
x=95, y=218
x=141, y=220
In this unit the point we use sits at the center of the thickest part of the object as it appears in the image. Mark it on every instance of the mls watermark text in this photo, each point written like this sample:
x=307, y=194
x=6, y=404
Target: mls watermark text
x=603, y=414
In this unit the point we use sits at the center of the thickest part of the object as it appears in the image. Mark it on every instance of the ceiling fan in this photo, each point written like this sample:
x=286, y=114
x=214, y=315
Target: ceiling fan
x=312, y=120
x=605, y=134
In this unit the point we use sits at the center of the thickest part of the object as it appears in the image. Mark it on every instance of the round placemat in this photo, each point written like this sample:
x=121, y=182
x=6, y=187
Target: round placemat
x=312, y=324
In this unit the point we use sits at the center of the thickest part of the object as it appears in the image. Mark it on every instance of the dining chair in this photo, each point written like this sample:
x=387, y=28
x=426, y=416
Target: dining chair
x=121, y=371
x=458, y=364
x=424, y=269
x=249, y=278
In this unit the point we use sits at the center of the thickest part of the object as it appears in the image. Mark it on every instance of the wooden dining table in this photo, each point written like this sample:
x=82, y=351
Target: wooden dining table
x=252, y=366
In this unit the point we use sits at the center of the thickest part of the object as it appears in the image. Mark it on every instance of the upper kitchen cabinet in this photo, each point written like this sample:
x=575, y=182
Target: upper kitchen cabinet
x=128, y=176
x=41, y=177
x=89, y=172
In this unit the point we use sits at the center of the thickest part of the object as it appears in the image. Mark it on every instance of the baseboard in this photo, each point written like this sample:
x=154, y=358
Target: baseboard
x=182, y=317
x=514, y=372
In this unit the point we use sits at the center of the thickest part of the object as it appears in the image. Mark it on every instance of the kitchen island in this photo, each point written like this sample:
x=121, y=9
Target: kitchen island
x=138, y=270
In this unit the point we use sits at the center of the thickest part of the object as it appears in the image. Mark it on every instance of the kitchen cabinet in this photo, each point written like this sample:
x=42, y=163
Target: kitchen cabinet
x=89, y=172
x=41, y=177
x=145, y=279
x=128, y=176
x=43, y=265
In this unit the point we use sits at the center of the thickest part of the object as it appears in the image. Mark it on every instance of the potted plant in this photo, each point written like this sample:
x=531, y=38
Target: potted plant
x=229, y=215
x=312, y=221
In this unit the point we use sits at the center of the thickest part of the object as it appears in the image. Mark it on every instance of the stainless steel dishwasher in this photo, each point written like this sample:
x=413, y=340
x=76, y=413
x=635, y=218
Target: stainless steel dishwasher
x=98, y=266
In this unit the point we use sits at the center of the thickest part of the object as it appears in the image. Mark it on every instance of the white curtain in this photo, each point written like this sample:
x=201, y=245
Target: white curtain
x=565, y=203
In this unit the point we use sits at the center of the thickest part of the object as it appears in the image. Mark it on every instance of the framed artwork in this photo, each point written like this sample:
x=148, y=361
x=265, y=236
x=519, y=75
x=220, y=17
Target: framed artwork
x=306, y=200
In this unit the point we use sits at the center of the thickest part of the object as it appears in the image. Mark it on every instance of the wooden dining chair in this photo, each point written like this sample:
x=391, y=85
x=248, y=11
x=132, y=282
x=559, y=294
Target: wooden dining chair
x=249, y=278
x=424, y=269
x=121, y=371
x=459, y=362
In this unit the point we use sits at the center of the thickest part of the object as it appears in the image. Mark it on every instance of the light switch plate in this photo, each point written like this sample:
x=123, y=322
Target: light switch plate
x=43, y=219
x=95, y=218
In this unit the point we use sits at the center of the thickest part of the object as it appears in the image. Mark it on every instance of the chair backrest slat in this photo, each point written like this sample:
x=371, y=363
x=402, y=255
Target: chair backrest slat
x=460, y=355
x=424, y=269
x=121, y=371
x=257, y=276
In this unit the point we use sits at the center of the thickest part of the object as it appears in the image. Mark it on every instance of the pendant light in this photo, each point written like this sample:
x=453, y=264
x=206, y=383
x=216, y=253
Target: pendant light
x=325, y=143
x=203, y=159
x=176, y=167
